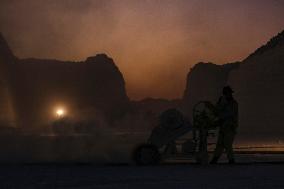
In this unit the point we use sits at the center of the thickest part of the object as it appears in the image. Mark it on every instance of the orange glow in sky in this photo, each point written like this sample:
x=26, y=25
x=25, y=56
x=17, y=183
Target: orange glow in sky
x=153, y=42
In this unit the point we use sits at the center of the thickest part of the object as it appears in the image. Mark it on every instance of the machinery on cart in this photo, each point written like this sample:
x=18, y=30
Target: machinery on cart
x=167, y=140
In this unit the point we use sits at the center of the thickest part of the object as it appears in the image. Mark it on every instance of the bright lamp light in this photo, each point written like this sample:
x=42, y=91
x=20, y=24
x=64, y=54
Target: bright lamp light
x=60, y=112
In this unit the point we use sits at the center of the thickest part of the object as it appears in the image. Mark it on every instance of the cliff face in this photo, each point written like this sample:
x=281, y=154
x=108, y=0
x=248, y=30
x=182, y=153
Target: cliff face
x=6, y=55
x=205, y=82
x=86, y=90
x=7, y=60
x=259, y=86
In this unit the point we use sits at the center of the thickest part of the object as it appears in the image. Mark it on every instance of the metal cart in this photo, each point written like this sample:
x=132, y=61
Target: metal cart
x=175, y=136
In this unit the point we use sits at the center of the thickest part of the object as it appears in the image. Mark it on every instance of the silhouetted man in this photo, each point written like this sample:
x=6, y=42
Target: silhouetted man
x=227, y=109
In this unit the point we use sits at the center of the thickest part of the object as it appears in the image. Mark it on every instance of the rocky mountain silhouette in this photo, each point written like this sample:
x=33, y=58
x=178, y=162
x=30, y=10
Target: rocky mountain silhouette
x=204, y=83
x=6, y=55
x=258, y=84
x=31, y=89
x=91, y=88
x=273, y=43
x=259, y=88
x=7, y=59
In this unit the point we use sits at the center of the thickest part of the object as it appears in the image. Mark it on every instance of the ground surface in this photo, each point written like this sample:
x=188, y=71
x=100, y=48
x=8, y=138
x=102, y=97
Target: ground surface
x=257, y=175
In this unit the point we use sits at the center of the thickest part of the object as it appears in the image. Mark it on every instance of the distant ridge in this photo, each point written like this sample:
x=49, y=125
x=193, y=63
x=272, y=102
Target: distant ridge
x=278, y=40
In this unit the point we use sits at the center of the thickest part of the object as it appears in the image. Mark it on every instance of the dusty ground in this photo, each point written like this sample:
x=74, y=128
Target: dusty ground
x=258, y=175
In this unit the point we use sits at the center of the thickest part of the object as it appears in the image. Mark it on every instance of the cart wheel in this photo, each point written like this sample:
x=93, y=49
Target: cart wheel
x=146, y=154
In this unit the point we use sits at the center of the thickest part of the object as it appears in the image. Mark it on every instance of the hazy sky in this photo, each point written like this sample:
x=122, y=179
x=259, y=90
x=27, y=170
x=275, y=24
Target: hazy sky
x=153, y=42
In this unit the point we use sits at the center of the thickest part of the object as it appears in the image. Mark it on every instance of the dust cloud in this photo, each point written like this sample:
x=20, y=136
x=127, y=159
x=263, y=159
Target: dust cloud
x=160, y=39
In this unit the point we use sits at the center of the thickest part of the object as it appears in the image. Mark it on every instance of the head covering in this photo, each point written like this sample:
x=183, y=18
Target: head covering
x=227, y=89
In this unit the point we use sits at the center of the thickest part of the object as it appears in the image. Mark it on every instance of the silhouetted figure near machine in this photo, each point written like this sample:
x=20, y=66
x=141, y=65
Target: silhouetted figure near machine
x=227, y=110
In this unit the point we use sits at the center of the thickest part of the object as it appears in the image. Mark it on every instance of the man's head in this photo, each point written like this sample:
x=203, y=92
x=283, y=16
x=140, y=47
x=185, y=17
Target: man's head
x=227, y=91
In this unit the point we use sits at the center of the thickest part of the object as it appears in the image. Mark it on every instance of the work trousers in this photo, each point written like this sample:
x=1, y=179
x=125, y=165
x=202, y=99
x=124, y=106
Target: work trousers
x=225, y=142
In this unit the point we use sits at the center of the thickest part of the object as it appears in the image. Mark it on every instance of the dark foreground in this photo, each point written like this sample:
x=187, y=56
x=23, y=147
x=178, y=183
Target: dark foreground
x=258, y=175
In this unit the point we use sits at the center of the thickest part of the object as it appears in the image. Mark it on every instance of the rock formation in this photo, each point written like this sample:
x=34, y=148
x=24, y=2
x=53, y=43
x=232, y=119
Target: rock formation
x=204, y=83
x=87, y=90
x=7, y=60
x=258, y=84
x=30, y=90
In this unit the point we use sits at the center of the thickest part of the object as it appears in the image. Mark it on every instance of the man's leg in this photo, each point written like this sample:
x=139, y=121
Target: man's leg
x=219, y=148
x=228, y=143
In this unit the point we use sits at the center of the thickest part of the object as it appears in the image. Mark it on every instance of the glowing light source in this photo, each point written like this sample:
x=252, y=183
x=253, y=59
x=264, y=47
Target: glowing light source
x=60, y=112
